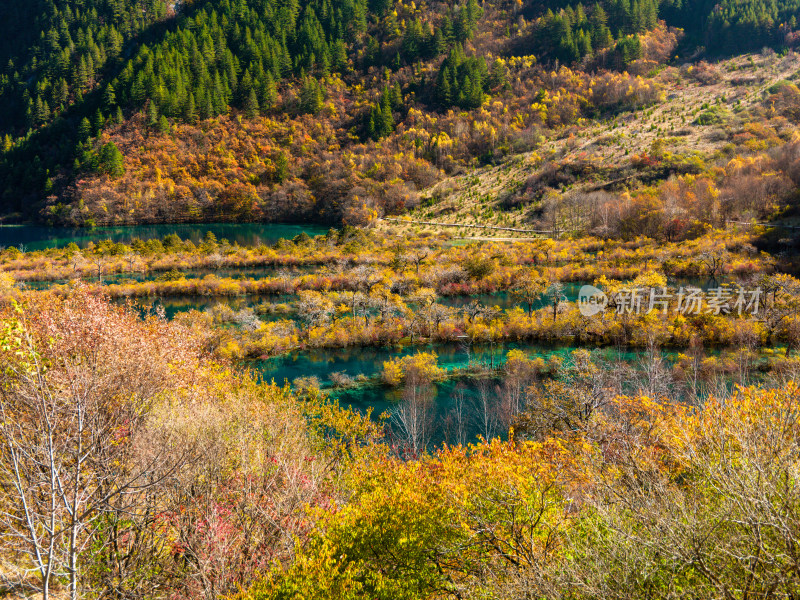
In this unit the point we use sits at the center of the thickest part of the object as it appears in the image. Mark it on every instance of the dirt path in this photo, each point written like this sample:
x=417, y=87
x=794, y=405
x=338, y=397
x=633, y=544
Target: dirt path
x=459, y=225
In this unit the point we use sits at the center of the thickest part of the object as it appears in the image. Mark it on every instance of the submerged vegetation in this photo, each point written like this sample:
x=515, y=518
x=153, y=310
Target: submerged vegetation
x=393, y=293
x=135, y=458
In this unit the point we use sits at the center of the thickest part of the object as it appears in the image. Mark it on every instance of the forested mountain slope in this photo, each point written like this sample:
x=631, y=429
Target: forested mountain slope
x=119, y=111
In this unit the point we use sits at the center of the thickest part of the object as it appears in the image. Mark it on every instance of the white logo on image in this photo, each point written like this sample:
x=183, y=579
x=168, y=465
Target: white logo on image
x=591, y=300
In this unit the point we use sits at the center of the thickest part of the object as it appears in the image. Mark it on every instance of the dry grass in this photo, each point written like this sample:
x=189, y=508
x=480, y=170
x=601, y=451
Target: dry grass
x=476, y=198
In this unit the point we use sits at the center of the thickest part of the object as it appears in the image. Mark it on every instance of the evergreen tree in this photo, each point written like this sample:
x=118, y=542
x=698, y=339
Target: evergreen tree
x=584, y=44
x=281, y=167
x=163, y=124
x=63, y=92
x=41, y=112
x=85, y=130
x=190, y=109
x=461, y=80
x=445, y=88
x=251, y=104
x=269, y=93
x=601, y=34
x=152, y=114
x=98, y=122
x=111, y=160
x=380, y=122
x=310, y=96
x=109, y=98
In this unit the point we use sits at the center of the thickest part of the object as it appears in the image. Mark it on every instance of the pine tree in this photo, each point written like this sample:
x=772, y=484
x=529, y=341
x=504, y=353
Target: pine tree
x=637, y=17
x=163, y=124
x=412, y=41
x=63, y=92
x=98, y=122
x=445, y=90
x=372, y=53
x=84, y=130
x=339, y=55
x=310, y=96
x=386, y=123
x=475, y=91
x=90, y=73
x=584, y=43
x=109, y=98
x=138, y=92
x=111, y=160
x=650, y=14
x=268, y=93
x=438, y=43
x=190, y=110
x=251, y=104
x=566, y=49
x=580, y=21
x=206, y=108
x=601, y=34
x=474, y=12
x=245, y=87
x=81, y=76
x=152, y=114
x=41, y=112
x=396, y=95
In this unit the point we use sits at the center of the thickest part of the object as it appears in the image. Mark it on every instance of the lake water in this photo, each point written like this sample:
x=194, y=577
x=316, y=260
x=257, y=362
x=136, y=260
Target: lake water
x=472, y=393
x=477, y=395
x=353, y=361
x=34, y=237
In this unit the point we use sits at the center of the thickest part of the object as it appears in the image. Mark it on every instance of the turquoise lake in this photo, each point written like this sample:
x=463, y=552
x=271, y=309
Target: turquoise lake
x=34, y=237
x=476, y=395
x=471, y=394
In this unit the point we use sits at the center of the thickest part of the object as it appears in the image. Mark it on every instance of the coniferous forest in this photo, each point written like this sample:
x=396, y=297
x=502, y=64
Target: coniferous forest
x=86, y=84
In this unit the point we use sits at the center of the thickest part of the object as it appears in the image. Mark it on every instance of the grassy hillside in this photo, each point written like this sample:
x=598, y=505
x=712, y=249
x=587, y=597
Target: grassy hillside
x=707, y=115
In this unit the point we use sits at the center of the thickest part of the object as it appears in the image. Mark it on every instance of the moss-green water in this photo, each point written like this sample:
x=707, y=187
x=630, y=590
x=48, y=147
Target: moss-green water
x=34, y=237
x=476, y=393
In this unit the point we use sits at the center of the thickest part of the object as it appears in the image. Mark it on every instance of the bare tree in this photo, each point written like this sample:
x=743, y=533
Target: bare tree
x=457, y=418
x=486, y=409
x=72, y=405
x=656, y=379
x=314, y=309
x=417, y=257
x=359, y=303
x=730, y=534
x=413, y=417
x=474, y=309
x=557, y=297
x=99, y=261
x=365, y=278
x=715, y=262
x=134, y=262
x=566, y=403
x=692, y=375
x=76, y=260
x=512, y=400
